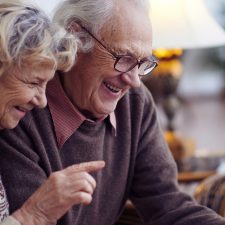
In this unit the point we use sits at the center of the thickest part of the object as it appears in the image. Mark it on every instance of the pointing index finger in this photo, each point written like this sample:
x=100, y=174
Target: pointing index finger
x=85, y=167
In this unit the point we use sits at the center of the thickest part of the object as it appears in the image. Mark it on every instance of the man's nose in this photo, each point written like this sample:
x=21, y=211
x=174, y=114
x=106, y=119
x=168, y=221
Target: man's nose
x=40, y=100
x=132, y=77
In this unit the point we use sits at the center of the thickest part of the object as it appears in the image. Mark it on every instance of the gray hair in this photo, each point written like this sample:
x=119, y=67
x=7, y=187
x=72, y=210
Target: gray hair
x=92, y=14
x=28, y=37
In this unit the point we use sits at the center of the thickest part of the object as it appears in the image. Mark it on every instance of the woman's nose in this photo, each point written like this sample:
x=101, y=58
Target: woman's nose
x=40, y=100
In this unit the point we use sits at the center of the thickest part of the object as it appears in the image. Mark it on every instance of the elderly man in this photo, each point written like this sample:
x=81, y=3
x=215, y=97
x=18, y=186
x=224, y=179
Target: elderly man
x=100, y=110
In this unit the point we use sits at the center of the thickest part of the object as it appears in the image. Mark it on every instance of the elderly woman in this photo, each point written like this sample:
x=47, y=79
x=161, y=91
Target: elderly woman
x=31, y=49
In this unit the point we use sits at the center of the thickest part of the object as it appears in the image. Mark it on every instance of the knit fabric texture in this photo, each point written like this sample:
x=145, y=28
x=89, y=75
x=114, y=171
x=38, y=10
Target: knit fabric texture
x=3, y=202
x=139, y=165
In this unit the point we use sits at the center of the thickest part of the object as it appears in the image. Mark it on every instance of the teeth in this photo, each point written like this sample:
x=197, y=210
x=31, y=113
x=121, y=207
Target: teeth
x=112, y=88
x=21, y=109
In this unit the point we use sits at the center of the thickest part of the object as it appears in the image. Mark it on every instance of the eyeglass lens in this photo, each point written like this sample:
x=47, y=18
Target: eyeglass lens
x=127, y=63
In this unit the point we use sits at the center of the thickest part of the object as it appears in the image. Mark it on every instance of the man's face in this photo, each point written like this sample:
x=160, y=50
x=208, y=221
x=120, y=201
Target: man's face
x=93, y=85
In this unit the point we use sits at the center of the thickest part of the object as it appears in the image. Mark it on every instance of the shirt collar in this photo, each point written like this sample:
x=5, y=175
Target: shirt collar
x=66, y=117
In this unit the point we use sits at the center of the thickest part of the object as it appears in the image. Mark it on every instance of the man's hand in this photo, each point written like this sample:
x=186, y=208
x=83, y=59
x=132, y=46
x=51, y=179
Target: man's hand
x=63, y=189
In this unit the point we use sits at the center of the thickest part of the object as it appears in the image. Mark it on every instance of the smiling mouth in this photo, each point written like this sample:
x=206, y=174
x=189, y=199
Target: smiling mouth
x=22, y=109
x=112, y=88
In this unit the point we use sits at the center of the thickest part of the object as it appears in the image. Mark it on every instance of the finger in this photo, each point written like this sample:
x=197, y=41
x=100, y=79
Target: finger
x=82, y=185
x=84, y=167
x=70, y=181
x=82, y=198
x=58, y=181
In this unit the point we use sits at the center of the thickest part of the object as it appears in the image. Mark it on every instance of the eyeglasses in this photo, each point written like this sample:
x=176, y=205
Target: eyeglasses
x=125, y=63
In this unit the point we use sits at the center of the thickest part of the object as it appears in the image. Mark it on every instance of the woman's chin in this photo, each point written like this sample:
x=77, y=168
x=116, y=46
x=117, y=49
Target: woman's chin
x=10, y=125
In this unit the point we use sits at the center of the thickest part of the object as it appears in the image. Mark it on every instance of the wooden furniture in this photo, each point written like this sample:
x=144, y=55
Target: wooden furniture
x=211, y=193
x=129, y=216
x=186, y=177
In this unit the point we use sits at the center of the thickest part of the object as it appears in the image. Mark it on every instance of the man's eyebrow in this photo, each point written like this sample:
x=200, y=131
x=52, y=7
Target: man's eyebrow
x=126, y=51
x=122, y=51
x=39, y=79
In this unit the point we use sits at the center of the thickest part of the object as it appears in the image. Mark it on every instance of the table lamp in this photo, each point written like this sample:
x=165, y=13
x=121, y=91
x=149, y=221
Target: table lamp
x=184, y=24
x=178, y=25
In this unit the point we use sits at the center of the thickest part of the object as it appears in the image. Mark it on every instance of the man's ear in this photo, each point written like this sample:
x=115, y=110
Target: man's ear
x=73, y=27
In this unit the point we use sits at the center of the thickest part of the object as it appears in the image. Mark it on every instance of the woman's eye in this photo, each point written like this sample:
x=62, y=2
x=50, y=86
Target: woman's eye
x=34, y=83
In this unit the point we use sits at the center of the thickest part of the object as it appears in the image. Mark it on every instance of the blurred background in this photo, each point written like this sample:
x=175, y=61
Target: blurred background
x=189, y=83
x=202, y=86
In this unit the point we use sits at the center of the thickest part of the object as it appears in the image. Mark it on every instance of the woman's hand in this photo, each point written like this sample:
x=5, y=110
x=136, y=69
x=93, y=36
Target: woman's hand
x=63, y=189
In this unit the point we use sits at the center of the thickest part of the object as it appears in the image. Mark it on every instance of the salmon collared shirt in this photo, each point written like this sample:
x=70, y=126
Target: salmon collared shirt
x=66, y=117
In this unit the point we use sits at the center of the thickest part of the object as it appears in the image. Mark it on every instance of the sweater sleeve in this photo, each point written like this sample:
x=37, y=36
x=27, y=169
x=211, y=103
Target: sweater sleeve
x=20, y=166
x=155, y=191
x=10, y=221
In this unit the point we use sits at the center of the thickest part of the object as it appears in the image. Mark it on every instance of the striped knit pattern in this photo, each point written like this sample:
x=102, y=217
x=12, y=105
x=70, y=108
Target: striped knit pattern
x=3, y=202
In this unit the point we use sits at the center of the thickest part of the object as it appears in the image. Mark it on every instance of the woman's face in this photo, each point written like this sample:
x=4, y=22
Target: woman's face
x=20, y=91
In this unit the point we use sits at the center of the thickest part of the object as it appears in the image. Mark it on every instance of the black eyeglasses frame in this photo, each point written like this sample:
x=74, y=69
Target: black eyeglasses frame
x=117, y=57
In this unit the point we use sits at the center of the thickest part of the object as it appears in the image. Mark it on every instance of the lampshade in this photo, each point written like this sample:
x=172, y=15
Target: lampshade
x=184, y=24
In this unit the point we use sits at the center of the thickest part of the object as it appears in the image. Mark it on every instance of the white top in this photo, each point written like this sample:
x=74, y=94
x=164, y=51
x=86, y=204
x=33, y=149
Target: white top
x=10, y=221
x=3, y=202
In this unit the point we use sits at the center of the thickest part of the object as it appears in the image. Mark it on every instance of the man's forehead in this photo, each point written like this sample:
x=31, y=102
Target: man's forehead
x=126, y=33
x=137, y=49
x=122, y=40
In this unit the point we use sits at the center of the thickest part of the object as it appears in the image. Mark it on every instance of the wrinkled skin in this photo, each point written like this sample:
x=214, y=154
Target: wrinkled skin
x=98, y=85
x=21, y=90
x=63, y=189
